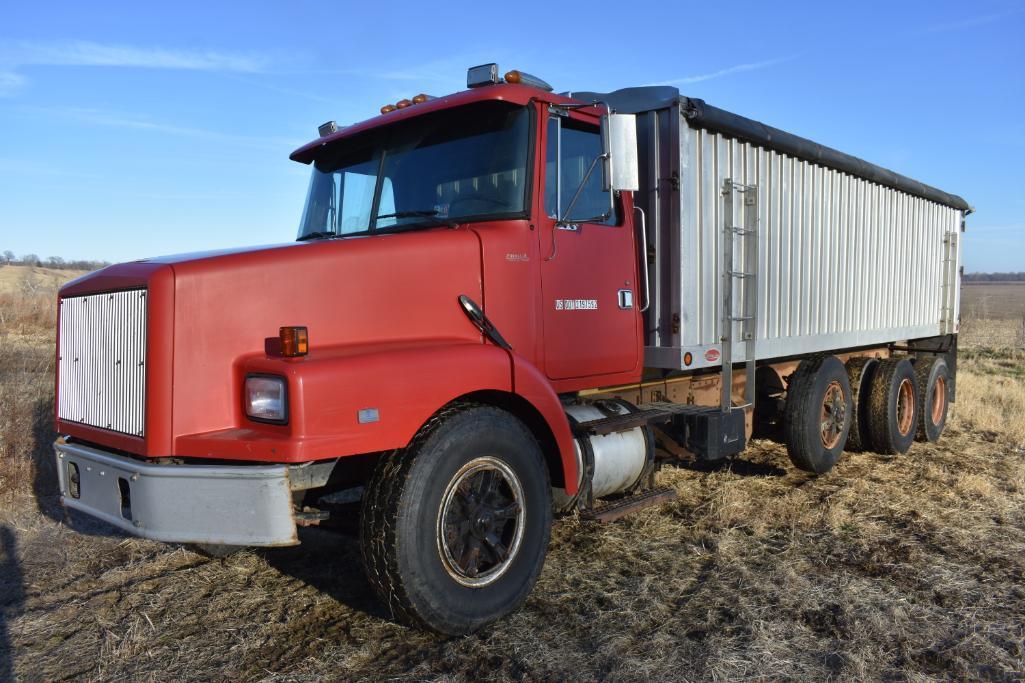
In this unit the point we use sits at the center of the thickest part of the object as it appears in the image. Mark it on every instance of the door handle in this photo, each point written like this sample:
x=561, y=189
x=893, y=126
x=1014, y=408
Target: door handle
x=626, y=298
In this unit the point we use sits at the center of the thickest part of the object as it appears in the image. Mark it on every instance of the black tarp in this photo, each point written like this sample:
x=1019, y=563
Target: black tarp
x=700, y=114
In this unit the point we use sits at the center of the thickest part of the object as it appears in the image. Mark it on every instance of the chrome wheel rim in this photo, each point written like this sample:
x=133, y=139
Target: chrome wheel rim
x=480, y=522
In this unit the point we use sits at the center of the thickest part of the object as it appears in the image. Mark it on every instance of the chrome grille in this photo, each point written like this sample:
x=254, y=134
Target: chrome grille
x=102, y=361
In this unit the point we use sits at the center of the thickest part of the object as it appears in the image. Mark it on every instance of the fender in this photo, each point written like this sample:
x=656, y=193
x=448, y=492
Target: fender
x=328, y=388
x=404, y=382
x=533, y=386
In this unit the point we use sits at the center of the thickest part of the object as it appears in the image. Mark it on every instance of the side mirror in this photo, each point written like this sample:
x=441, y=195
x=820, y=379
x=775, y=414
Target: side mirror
x=619, y=142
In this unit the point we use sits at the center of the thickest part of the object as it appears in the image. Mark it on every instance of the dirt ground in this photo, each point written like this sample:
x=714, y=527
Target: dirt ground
x=908, y=568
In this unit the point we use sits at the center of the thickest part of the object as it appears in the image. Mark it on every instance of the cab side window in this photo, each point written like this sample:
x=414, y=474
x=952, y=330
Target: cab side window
x=580, y=145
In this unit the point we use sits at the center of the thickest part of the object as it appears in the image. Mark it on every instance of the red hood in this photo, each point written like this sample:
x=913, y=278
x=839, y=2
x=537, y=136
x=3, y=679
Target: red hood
x=210, y=311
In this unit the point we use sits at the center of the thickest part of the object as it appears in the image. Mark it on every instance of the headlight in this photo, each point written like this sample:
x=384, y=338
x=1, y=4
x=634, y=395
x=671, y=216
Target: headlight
x=266, y=398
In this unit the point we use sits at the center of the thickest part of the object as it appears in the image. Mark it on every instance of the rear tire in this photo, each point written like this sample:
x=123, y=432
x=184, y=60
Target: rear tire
x=859, y=374
x=818, y=414
x=933, y=380
x=893, y=406
x=215, y=551
x=455, y=528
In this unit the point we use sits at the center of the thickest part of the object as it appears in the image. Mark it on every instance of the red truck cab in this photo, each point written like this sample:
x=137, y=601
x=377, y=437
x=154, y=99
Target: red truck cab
x=408, y=212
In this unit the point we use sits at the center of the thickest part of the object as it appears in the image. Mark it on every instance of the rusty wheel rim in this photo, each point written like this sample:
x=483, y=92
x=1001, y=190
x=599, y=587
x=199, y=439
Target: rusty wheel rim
x=833, y=415
x=939, y=400
x=905, y=407
x=481, y=522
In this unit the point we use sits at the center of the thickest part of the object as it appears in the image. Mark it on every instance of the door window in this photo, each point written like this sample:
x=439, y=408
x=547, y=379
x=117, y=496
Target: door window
x=580, y=145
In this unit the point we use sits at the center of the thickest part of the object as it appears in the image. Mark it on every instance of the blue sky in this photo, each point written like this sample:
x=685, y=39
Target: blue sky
x=135, y=129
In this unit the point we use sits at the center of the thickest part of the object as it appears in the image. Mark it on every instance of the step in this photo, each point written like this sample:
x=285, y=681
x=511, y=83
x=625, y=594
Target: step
x=619, y=423
x=609, y=512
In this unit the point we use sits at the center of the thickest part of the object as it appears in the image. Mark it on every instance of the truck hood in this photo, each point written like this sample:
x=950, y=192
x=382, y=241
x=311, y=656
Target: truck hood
x=211, y=311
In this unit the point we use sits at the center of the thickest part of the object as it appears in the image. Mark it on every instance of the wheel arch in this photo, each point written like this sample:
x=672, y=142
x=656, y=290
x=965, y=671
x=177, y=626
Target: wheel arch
x=527, y=413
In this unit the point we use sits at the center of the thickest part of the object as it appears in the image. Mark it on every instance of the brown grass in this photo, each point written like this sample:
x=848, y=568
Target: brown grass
x=909, y=568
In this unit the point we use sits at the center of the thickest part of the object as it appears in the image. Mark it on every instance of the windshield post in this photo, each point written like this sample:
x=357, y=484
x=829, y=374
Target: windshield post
x=375, y=206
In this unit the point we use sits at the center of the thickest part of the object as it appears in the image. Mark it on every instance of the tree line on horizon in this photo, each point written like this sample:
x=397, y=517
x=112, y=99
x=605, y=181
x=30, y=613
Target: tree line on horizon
x=8, y=258
x=994, y=277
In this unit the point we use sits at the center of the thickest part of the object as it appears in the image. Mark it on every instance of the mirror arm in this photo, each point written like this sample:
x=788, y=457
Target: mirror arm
x=576, y=195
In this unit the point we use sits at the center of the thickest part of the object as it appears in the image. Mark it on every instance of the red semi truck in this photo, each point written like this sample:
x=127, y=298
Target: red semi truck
x=506, y=304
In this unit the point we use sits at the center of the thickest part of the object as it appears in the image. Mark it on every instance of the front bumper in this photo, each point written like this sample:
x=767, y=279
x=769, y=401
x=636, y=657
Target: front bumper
x=215, y=504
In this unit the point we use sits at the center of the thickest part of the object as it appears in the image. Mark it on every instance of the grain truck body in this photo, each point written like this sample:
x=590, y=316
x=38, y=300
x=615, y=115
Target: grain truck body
x=505, y=304
x=848, y=254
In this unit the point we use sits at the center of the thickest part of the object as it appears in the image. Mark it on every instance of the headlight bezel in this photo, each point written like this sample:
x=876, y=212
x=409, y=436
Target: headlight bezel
x=265, y=418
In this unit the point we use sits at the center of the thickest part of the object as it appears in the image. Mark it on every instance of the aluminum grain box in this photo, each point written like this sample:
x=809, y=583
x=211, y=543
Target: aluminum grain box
x=839, y=253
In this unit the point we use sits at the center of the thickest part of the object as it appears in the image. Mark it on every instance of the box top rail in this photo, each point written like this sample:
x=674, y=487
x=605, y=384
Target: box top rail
x=700, y=114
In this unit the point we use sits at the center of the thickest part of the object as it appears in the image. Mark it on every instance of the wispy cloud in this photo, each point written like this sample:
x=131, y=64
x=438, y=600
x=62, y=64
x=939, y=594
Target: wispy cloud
x=738, y=68
x=87, y=53
x=15, y=57
x=10, y=82
x=969, y=22
x=101, y=117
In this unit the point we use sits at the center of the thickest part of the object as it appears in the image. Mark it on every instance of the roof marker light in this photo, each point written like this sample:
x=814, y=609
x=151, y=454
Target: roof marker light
x=421, y=98
x=522, y=78
x=402, y=104
x=388, y=108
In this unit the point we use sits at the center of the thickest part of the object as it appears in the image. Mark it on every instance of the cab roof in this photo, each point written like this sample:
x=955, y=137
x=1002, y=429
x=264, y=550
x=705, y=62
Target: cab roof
x=504, y=92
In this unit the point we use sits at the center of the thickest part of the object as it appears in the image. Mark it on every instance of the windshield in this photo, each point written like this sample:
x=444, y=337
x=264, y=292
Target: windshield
x=439, y=168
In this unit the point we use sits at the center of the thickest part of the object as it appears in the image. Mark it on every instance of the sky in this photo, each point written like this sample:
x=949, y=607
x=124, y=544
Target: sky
x=137, y=129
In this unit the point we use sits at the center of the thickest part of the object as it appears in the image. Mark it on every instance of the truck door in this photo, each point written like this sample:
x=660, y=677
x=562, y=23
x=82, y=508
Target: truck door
x=588, y=282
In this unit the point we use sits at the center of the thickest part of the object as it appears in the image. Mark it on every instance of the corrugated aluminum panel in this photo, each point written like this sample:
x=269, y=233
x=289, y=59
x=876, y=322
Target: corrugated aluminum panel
x=102, y=380
x=842, y=262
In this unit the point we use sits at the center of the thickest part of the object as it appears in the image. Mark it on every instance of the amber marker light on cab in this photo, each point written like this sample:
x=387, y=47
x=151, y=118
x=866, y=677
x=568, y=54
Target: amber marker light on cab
x=515, y=76
x=388, y=108
x=402, y=104
x=295, y=341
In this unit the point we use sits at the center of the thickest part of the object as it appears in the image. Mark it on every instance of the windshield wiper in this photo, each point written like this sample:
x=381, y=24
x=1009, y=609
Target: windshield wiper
x=319, y=235
x=430, y=214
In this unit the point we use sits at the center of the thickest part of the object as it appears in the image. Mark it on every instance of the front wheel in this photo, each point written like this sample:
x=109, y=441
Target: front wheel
x=454, y=528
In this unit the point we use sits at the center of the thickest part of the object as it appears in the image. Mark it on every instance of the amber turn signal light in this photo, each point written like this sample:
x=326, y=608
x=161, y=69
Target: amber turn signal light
x=295, y=341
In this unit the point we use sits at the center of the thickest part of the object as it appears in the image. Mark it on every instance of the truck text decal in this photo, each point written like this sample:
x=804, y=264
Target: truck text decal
x=576, y=304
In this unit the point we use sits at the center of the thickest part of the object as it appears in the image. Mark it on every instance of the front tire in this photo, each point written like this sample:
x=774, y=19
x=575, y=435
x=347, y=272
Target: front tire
x=455, y=528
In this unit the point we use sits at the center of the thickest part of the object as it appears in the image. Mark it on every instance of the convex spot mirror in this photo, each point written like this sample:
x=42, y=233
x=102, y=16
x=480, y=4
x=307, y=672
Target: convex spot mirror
x=619, y=143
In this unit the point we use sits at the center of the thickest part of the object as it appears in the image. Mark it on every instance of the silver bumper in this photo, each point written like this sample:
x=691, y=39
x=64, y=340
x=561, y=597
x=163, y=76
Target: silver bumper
x=216, y=504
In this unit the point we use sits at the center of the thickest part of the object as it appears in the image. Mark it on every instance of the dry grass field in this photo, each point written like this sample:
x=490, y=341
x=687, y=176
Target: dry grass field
x=897, y=568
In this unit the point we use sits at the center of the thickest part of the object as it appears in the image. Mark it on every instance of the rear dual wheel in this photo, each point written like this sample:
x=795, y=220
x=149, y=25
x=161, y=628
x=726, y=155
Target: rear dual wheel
x=893, y=408
x=934, y=383
x=819, y=411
